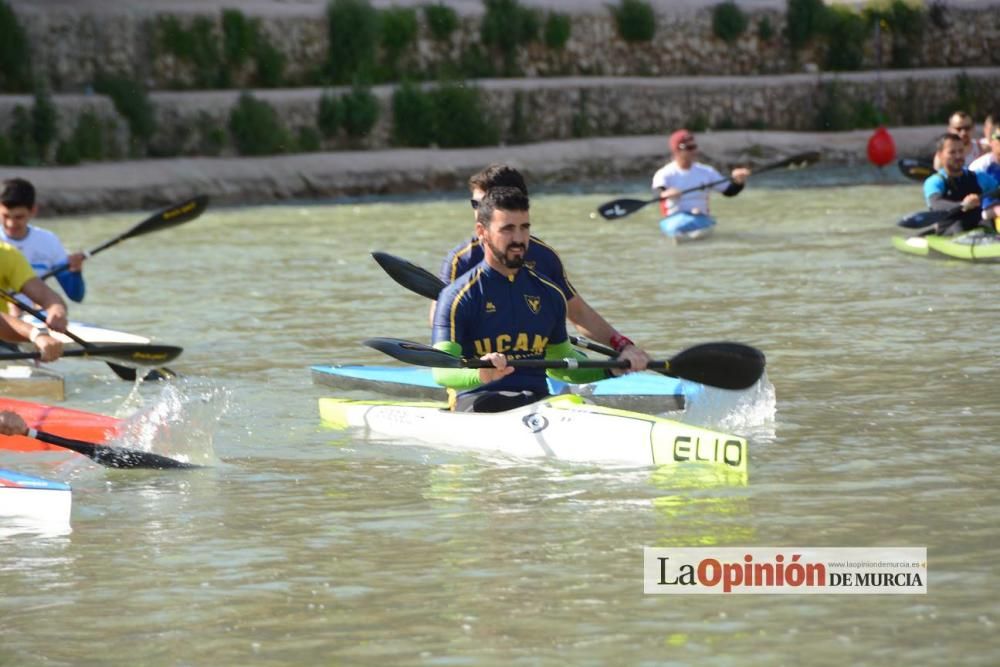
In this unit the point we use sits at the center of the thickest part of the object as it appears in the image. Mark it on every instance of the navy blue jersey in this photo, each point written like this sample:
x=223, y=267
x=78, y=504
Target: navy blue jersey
x=540, y=258
x=485, y=311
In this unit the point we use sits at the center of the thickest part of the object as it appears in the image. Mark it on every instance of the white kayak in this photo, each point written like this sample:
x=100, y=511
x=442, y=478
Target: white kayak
x=90, y=333
x=560, y=427
x=24, y=498
x=643, y=392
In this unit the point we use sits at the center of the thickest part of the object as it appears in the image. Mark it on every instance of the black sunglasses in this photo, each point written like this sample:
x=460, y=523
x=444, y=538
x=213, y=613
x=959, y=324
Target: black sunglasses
x=688, y=147
x=475, y=204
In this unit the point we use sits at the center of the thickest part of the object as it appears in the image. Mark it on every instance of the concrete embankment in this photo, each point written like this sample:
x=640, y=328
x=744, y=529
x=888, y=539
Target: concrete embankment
x=148, y=184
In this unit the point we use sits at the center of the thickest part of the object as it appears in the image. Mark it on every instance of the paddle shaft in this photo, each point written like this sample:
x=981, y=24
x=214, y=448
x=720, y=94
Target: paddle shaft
x=131, y=352
x=620, y=208
x=111, y=457
x=168, y=217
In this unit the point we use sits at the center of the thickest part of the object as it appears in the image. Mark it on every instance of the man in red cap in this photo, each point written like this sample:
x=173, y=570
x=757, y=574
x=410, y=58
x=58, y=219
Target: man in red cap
x=684, y=173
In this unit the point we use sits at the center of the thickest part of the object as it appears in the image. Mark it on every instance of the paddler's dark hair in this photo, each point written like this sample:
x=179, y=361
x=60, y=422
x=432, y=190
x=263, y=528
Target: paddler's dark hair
x=500, y=199
x=944, y=138
x=497, y=176
x=17, y=192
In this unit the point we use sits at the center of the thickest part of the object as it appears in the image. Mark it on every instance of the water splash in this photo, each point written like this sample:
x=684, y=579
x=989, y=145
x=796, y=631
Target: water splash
x=750, y=412
x=179, y=422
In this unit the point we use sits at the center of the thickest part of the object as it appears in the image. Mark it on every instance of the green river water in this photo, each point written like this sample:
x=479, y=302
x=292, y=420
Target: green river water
x=304, y=546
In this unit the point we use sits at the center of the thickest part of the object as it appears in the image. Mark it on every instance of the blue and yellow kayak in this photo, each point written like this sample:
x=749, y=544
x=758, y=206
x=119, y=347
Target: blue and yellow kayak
x=642, y=392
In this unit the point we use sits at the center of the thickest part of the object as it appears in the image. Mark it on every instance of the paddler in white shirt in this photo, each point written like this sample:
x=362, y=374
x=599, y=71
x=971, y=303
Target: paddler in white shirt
x=685, y=173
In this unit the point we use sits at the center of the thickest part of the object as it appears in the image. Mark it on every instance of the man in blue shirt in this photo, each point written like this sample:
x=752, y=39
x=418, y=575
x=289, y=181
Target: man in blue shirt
x=543, y=259
x=501, y=309
x=955, y=184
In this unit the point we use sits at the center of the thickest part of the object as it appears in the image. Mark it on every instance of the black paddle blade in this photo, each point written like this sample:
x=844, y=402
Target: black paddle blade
x=133, y=354
x=129, y=373
x=619, y=208
x=917, y=169
x=409, y=275
x=414, y=353
x=724, y=365
x=168, y=217
x=114, y=457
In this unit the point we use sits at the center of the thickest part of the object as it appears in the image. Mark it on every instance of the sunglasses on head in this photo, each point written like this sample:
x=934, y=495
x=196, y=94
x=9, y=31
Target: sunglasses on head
x=475, y=204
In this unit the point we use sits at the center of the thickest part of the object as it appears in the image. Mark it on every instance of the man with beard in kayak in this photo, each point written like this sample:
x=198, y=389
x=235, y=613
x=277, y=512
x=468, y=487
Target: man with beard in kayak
x=41, y=247
x=955, y=184
x=543, y=259
x=502, y=309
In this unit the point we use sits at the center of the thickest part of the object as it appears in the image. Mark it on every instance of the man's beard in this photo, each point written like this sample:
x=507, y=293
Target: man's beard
x=511, y=262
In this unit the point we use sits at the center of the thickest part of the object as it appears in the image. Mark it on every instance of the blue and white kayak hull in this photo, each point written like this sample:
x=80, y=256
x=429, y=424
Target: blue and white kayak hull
x=686, y=226
x=24, y=498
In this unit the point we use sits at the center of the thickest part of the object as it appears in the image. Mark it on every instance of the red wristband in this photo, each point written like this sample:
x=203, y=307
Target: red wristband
x=620, y=342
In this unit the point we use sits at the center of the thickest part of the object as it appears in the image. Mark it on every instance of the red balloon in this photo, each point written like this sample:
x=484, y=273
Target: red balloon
x=881, y=147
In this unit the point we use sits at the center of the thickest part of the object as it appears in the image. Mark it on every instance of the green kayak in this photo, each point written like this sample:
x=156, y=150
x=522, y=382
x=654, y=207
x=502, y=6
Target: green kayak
x=975, y=246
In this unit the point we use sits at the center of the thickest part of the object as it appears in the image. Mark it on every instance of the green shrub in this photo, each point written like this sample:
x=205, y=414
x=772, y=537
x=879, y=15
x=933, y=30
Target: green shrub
x=804, y=20
x=412, y=117
x=518, y=131
x=360, y=111
x=353, y=30
x=441, y=21
x=459, y=117
x=635, y=20
x=211, y=137
x=6, y=151
x=845, y=34
x=133, y=103
x=44, y=121
x=506, y=27
x=22, y=141
x=67, y=153
x=256, y=127
x=474, y=63
x=397, y=34
x=557, y=30
x=728, y=21
x=937, y=12
x=15, y=54
x=239, y=37
x=89, y=137
x=308, y=140
x=269, y=65
x=330, y=117
x=764, y=29
x=198, y=45
x=905, y=22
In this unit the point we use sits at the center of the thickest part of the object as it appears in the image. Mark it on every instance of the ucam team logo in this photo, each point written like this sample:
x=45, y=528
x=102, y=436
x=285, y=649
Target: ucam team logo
x=743, y=570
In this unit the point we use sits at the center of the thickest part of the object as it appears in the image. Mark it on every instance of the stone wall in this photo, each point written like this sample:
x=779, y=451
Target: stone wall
x=71, y=45
x=577, y=107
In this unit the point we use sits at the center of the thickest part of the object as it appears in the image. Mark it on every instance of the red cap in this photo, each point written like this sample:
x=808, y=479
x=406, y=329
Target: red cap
x=679, y=137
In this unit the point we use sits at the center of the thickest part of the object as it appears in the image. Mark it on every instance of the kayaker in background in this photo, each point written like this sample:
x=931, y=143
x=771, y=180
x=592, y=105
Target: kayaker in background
x=500, y=308
x=961, y=125
x=684, y=173
x=955, y=184
x=42, y=248
x=543, y=259
x=11, y=423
